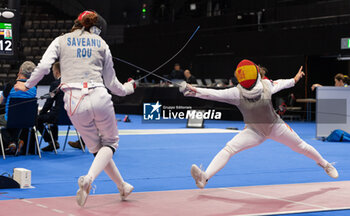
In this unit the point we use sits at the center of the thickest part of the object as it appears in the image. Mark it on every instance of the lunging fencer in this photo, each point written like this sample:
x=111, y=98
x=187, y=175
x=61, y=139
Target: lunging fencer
x=86, y=71
x=252, y=96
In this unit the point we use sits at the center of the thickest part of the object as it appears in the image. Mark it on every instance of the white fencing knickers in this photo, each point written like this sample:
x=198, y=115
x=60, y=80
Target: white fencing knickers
x=94, y=118
x=249, y=138
x=281, y=133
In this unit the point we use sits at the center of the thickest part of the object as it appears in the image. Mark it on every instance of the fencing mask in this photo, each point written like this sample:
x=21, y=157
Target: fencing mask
x=247, y=74
x=100, y=28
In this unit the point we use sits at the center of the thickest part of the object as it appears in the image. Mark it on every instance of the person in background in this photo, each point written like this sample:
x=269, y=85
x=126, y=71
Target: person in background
x=10, y=135
x=189, y=78
x=263, y=71
x=177, y=73
x=51, y=109
x=340, y=80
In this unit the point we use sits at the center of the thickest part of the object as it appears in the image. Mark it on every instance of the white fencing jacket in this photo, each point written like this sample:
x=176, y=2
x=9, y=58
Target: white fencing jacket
x=84, y=57
x=258, y=114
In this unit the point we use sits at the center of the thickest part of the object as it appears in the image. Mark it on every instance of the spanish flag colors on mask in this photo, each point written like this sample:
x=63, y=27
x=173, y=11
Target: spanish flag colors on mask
x=247, y=74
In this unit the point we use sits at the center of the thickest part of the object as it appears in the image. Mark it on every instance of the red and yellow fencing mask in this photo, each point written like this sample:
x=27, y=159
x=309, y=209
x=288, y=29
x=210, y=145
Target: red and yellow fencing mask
x=247, y=74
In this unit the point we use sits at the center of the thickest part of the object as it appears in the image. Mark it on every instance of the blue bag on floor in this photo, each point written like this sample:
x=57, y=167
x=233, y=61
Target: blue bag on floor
x=338, y=136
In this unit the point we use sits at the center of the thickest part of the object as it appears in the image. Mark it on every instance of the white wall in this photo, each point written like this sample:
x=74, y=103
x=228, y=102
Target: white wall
x=332, y=110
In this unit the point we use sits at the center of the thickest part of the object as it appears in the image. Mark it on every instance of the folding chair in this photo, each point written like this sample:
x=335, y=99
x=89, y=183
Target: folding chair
x=208, y=82
x=22, y=115
x=63, y=120
x=219, y=81
x=200, y=82
x=2, y=145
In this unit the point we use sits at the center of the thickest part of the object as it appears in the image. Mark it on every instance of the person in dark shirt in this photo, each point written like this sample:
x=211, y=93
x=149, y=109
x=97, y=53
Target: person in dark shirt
x=10, y=135
x=189, y=78
x=50, y=111
x=177, y=73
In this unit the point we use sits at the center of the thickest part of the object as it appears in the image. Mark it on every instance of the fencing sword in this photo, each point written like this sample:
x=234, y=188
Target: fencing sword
x=181, y=85
x=162, y=65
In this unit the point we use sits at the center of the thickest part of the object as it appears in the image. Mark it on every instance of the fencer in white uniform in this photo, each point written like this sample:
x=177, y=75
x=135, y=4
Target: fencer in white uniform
x=87, y=69
x=253, y=98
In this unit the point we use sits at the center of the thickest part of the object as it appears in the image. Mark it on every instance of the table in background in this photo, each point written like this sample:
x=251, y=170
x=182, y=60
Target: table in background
x=308, y=102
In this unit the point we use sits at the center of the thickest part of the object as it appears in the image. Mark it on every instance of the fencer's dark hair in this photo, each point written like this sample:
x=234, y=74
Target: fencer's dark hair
x=262, y=68
x=77, y=25
x=87, y=21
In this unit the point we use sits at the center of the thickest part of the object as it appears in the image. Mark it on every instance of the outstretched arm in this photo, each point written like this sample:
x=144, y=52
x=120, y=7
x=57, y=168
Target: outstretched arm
x=230, y=95
x=299, y=75
x=110, y=79
x=281, y=84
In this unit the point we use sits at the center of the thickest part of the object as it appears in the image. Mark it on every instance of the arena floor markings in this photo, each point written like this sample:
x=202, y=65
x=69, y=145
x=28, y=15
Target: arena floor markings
x=252, y=200
x=267, y=180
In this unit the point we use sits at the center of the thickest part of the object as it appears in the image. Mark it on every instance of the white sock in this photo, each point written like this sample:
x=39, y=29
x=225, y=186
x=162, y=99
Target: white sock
x=103, y=157
x=219, y=161
x=113, y=173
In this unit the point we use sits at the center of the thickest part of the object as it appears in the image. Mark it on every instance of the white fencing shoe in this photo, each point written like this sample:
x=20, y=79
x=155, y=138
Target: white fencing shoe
x=126, y=190
x=330, y=170
x=84, y=189
x=199, y=176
